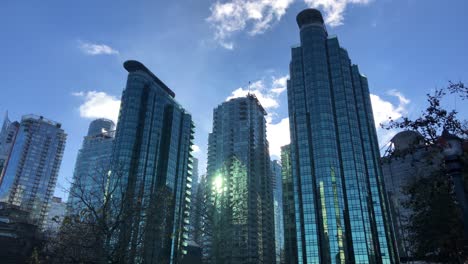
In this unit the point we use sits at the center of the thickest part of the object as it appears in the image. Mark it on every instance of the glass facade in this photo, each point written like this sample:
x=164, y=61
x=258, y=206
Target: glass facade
x=195, y=216
x=57, y=212
x=33, y=166
x=289, y=221
x=278, y=209
x=7, y=139
x=241, y=230
x=152, y=160
x=92, y=165
x=341, y=212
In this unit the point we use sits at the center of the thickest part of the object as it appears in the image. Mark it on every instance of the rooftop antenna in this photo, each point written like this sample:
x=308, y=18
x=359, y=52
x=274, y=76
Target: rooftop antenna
x=249, y=89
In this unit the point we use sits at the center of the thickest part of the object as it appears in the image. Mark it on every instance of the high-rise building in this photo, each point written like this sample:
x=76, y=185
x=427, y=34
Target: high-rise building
x=57, y=212
x=289, y=221
x=92, y=166
x=239, y=178
x=33, y=166
x=278, y=209
x=341, y=209
x=408, y=160
x=152, y=160
x=7, y=139
x=198, y=210
x=195, y=216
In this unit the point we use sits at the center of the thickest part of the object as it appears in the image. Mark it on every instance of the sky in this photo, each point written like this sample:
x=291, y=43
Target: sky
x=63, y=59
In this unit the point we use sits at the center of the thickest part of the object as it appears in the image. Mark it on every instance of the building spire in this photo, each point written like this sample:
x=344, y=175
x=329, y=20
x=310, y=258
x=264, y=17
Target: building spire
x=6, y=123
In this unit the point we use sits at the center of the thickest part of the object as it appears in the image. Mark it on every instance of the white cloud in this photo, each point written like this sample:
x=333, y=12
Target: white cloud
x=278, y=136
x=279, y=85
x=97, y=49
x=98, y=105
x=237, y=15
x=383, y=110
x=268, y=97
x=195, y=149
x=257, y=16
x=334, y=9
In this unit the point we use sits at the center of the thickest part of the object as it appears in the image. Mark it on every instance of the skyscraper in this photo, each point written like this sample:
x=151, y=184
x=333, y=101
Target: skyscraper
x=198, y=210
x=278, y=209
x=33, y=166
x=341, y=209
x=92, y=165
x=239, y=176
x=7, y=139
x=195, y=216
x=289, y=221
x=152, y=160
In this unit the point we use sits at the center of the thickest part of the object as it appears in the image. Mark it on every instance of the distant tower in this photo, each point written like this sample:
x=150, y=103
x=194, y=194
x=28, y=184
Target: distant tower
x=7, y=139
x=92, y=165
x=289, y=221
x=240, y=184
x=278, y=209
x=33, y=166
x=152, y=157
x=195, y=217
x=341, y=208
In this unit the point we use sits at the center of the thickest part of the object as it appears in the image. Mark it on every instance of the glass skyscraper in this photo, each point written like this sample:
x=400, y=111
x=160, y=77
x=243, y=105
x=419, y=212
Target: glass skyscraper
x=152, y=160
x=92, y=165
x=278, y=209
x=33, y=165
x=195, y=217
x=241, y=230
x=289, y=221
x=341, y=209
x=7, y=139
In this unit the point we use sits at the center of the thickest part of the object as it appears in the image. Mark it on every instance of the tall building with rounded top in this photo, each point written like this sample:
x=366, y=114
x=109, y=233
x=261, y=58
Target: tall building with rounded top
x=152, y=164
x=100, y=126
x=341, y=209
x=92, y=167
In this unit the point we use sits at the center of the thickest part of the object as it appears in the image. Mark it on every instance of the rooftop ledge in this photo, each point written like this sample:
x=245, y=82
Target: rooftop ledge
x=133, y=66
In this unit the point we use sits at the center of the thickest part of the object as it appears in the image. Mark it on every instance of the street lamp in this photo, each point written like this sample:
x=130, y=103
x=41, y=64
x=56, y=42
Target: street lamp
x=452, y=150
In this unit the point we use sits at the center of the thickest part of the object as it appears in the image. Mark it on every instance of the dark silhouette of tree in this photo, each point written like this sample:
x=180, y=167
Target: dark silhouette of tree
x=88, y=232
x=435, y=117
x=435, y=225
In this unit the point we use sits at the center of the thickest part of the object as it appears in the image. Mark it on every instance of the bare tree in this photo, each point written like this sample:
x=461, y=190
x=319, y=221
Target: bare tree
x=95, y=215
x=435, y=117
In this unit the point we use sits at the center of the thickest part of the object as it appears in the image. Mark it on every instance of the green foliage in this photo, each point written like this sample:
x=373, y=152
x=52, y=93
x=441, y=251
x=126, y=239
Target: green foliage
x=35, y=257
x=435, y=227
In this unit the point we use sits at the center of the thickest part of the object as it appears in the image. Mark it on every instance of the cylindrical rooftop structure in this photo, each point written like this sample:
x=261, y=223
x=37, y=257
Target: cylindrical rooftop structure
x=100, y=126
x=309, y=16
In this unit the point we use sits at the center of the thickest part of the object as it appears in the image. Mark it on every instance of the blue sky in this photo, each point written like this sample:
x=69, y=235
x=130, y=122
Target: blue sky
x=63, y=59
